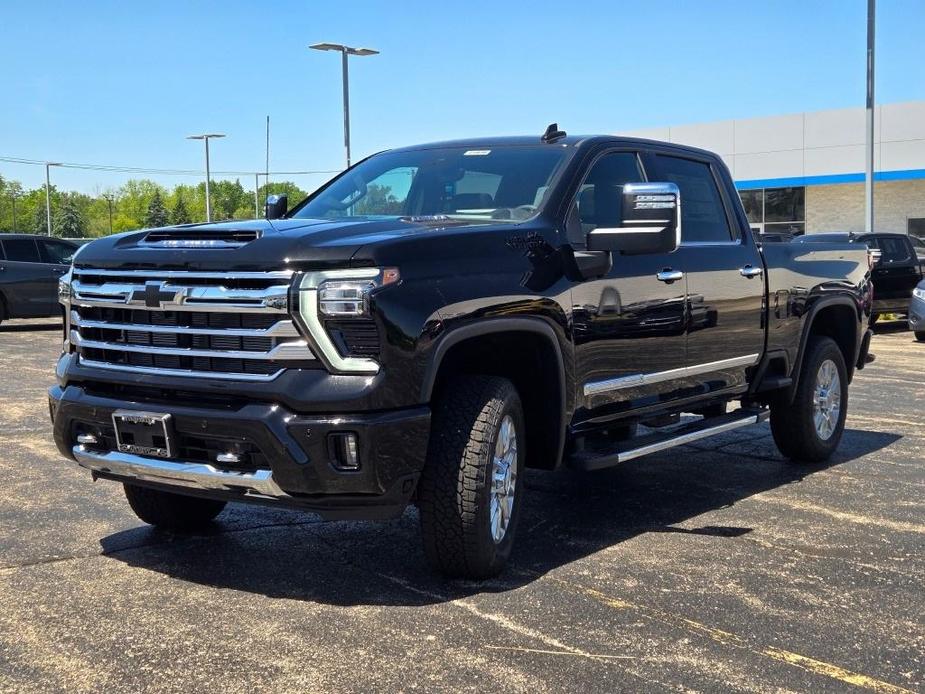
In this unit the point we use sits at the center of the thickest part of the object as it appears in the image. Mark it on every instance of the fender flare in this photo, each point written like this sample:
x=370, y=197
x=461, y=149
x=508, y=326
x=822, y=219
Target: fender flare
x=489, y=326
x=824, y=303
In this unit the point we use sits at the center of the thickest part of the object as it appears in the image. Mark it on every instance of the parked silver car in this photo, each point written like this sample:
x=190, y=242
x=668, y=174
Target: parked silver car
x=917, y=312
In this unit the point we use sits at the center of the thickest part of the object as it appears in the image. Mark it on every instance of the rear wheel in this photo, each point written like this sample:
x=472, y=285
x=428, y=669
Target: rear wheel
x=469, y=495
x=171, y=511
x=920, y=335
x=810, y=428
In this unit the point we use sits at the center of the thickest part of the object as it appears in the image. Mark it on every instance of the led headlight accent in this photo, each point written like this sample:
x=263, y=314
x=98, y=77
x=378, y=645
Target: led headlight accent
x=339, y=294
x=919, y=292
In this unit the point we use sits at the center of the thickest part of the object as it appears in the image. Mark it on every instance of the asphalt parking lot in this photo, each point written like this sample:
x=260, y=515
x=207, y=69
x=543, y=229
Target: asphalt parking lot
x=713, y=567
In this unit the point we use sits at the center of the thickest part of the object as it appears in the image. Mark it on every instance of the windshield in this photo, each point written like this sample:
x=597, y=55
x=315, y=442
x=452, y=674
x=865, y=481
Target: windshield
x=498, y=184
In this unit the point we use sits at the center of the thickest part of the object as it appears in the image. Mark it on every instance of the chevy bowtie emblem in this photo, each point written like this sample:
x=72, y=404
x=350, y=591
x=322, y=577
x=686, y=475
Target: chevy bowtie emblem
x=154, y=295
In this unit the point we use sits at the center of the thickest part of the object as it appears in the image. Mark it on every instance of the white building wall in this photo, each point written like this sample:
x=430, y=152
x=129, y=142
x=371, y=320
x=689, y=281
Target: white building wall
x=841, y=207
x=820, y=143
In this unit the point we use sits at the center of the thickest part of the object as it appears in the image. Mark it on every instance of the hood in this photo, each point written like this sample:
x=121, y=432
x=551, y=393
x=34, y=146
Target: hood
x=258, y=244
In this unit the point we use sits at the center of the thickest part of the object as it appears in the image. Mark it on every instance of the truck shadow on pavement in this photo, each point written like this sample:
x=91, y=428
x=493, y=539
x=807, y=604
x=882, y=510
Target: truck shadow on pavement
x=567, y=516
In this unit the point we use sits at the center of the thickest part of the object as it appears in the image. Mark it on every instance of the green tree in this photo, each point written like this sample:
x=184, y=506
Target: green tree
x=69, y=222
x=180, y=214
x=157, y=215
x=39, y=220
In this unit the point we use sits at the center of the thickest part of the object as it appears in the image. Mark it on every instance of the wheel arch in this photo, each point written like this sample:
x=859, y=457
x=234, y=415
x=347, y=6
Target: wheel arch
x=835, y=317
x=514, y=348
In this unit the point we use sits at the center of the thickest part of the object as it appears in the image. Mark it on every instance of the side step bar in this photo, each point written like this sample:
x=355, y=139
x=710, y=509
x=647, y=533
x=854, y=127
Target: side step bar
x=597, y=459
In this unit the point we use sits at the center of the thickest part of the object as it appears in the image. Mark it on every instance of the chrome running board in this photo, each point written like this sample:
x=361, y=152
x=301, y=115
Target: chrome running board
x=637, y=447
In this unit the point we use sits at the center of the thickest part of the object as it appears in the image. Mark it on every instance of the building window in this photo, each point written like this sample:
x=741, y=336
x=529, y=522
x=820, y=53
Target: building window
x=777, y=210
x=916, y=227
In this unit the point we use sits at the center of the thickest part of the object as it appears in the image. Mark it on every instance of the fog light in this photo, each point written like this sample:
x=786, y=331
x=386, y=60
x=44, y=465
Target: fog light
x=87, y=439
x=344, y=450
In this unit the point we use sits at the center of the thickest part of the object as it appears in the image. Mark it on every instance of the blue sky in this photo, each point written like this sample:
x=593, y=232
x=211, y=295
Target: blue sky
x=123, y=82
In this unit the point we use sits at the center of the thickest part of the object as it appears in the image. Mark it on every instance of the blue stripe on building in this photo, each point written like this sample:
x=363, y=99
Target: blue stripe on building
x=830, y=179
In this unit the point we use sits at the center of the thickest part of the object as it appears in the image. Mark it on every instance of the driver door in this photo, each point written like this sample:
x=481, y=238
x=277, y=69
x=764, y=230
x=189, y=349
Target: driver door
x=629, y=326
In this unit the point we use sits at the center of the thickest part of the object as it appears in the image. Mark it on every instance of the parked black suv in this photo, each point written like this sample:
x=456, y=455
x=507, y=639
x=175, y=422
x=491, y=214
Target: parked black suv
x=30, y=267
x=436, y=319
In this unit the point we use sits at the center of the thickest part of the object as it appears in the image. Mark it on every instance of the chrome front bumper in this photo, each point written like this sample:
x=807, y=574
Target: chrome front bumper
x=191, y=475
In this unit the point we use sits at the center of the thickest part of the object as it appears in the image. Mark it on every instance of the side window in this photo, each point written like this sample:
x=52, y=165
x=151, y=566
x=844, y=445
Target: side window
x=599, y=197
x=703, y=215
x=56, y=252
x=21, y=250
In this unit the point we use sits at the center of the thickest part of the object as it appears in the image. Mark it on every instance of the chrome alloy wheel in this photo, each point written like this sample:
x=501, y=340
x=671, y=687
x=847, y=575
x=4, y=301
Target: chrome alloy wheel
x=827, y=400
x=503, y=478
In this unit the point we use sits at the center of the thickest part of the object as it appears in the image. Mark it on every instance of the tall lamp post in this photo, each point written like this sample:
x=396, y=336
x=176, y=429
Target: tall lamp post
x=206, y=137
x=345, y=51
x=869, y=154
x=48, y=165
x=109, y=198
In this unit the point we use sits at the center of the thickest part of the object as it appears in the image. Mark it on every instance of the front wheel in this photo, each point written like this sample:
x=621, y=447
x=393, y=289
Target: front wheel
x=810, y=428
x=469, y=495
x=171, y=511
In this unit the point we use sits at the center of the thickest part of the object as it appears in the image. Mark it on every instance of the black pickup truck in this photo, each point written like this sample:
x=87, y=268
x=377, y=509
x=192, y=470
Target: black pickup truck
x=897, y=269
x=436, y=319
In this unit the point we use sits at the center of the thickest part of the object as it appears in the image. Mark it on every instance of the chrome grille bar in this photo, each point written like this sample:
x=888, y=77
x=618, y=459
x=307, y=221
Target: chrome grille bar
x=148, y=316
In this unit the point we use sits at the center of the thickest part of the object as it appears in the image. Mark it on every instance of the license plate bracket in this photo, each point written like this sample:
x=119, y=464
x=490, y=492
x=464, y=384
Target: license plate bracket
x=144, y=433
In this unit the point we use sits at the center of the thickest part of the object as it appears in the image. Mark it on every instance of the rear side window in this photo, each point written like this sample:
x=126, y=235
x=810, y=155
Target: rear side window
x=56, y=252
x=893, y=250
x=703, y=215
x=21, y=250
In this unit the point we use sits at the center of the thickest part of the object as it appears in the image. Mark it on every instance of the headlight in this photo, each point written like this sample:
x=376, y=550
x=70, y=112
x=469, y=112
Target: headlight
x=919, y=292
x=339, y=294
x=64, y=286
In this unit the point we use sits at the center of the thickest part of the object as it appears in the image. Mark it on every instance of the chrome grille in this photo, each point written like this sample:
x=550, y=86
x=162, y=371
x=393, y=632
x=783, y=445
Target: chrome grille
x=207, y=324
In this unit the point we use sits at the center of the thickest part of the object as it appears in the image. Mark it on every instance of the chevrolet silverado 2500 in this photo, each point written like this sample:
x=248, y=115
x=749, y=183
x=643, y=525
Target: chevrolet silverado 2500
x=437, y=318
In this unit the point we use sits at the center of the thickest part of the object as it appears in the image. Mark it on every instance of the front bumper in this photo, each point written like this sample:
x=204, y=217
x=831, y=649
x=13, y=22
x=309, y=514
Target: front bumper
x=289, y=456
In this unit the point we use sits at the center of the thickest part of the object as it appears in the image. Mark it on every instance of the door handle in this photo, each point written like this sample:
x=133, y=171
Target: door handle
x=668, y=275
x=748, y=271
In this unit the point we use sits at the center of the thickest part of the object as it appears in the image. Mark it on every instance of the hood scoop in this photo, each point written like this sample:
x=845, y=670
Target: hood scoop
x=199, y=238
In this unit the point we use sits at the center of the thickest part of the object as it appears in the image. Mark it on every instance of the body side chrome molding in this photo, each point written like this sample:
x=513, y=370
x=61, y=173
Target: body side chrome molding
x=610, y=384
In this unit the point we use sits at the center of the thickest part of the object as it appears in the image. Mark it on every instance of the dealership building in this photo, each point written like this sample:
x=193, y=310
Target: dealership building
x=804, y=172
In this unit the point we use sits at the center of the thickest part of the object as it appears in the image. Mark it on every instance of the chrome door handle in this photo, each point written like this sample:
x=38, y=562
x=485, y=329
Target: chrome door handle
x=668, y=275
x=748, y=271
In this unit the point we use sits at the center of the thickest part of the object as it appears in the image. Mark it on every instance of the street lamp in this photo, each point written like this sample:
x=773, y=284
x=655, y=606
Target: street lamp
x=109, y=198
x=344, y=52
x=206, y=137
x=48, y=165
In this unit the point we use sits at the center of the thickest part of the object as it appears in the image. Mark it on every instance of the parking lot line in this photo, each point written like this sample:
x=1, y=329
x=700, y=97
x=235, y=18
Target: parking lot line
x=812, y=665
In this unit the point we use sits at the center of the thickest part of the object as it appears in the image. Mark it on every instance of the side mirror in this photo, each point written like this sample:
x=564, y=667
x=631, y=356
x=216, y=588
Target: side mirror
x=277, y=206
x=650, y=221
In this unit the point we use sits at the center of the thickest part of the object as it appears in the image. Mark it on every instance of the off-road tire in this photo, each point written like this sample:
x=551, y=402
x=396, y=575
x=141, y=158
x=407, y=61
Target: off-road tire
x=172, y=511
x=454, y=490
x=792, y=423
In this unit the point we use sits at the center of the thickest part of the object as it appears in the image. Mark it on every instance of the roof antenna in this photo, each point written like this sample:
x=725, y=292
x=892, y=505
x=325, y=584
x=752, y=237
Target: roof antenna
x=553, y=133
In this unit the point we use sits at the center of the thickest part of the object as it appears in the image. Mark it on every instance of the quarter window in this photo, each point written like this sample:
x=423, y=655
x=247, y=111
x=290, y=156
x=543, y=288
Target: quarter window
x=703, y=215
x=21, y=250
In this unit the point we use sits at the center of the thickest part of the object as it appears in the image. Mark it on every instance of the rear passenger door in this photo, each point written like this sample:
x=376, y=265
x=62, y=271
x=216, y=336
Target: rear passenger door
x=725, y=276
x=25, y=280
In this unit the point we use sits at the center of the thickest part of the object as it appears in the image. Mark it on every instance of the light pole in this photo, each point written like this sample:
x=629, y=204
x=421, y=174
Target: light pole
x=48, y=165
x=869, y=172
x=108, y=199
x=345, y=51
x=206, y=137
x=256, y=196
